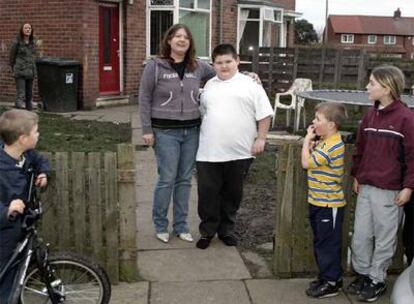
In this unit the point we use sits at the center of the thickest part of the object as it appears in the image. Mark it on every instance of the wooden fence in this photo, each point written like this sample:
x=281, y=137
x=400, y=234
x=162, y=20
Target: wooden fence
x=293, y=250
x=327, y=68
x=90, y=208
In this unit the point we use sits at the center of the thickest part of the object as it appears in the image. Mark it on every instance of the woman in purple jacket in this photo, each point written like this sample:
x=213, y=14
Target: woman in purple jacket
x=168, y=104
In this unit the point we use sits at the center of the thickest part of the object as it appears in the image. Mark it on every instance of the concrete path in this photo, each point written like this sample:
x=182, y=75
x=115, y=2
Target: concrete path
x=179, y=273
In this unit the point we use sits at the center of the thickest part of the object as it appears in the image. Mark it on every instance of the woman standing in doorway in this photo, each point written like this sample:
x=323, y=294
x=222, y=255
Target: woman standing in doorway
x=23, y=64
x=170, y=117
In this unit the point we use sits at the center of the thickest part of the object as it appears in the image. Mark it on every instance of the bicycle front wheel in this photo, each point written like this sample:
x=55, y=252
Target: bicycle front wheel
x=78, y=279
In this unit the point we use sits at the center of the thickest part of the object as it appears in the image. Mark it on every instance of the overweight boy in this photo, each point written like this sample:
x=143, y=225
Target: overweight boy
x=236, y=115
x=324, y=160
x=19, y=135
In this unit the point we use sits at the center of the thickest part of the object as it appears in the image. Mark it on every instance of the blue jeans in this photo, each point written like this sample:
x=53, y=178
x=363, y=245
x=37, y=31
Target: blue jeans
x=175, y=150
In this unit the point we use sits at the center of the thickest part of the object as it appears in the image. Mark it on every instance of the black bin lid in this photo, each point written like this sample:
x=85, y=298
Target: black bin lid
x=58, y=61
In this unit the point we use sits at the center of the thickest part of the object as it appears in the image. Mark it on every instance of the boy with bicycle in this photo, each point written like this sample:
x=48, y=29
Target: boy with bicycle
x=19, y=135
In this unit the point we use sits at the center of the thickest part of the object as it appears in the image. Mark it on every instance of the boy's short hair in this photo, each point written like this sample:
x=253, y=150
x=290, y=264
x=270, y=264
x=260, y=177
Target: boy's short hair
x=14, y=123
x=224, y=49
x=333, y=111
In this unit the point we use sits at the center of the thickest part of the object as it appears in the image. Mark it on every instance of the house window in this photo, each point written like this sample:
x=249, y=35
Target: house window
x=372, y=39
x=347, y=38
x=259, y=26
x=389, y=40
x=196, y=14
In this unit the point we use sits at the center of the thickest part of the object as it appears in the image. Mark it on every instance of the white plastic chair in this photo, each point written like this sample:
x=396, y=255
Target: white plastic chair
x=296, y=103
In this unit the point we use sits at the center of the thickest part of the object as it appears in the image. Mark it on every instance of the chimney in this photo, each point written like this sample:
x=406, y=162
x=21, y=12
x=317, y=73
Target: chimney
x=397, y=13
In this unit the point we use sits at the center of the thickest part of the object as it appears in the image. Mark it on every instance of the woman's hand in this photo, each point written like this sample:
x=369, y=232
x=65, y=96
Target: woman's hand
x=403, y=197
x=148, y=139
x=355, y=186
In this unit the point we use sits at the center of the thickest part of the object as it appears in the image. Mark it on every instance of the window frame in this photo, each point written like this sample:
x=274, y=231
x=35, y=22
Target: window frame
x=390, y=41
x=175, y=8
x=261, y=20
x=372, y=36
x=347, y=40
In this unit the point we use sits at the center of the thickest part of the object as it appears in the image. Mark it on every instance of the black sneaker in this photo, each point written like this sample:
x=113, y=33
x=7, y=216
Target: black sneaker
x=372, y=291
x=358, y=284
x=203, y=242
x=316, y=283
x=324, y=290
x=228, y=240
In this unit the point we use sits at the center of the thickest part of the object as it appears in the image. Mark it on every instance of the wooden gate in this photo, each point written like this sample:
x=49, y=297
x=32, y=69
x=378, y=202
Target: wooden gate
x=90, y=208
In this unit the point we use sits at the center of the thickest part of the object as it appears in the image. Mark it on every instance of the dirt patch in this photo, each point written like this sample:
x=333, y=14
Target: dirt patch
x=256, y=216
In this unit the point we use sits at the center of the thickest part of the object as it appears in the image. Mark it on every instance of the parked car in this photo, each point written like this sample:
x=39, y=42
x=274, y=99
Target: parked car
x=403, y=291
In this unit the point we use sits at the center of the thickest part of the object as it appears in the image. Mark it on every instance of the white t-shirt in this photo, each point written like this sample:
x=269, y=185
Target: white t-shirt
x=230, y=109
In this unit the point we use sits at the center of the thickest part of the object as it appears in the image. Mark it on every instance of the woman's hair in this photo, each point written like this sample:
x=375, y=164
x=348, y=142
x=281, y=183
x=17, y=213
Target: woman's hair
x=21, y=33
x=389, y=76
x=165, y=48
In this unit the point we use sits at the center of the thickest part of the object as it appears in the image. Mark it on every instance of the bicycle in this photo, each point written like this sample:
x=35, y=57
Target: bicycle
x=62, y=277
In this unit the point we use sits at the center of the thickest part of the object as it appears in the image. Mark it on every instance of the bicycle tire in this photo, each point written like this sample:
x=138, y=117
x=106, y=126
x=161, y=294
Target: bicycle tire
x=82, y=281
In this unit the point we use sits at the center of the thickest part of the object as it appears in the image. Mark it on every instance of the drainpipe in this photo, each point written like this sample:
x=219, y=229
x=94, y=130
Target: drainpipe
x=221, y=22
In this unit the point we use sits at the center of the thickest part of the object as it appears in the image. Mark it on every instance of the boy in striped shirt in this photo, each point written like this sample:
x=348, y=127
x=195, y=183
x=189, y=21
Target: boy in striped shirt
x=324, y=160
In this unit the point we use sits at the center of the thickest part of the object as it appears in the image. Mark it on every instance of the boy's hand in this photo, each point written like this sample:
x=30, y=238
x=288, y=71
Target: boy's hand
x=310, y=133
x=41, y=180
x=258, y=146
x=355, y=186
x=16, y=205
x=403, y=197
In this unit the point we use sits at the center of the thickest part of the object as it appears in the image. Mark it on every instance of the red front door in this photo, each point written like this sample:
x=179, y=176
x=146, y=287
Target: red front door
x=108, y=49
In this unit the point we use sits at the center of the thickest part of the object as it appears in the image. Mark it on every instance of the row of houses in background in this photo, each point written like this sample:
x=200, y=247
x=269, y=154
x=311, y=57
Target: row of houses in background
x=112, y=39
x=393, y=36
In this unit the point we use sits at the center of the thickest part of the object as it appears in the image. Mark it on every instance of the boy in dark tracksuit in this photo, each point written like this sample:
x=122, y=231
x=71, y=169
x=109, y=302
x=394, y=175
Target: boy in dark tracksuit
x=19, y=135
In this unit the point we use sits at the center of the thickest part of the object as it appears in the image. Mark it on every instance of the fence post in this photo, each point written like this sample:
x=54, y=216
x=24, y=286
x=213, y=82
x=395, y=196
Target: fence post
x=283, y=237
x=255, y=61
x=361, y=69
x=295, y=64
x=270, y=71
x=127, y=222
x=322, y=67
x=338, y=68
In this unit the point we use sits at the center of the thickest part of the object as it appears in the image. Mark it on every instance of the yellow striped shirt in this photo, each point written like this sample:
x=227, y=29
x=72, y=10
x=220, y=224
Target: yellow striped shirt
x=325, y=173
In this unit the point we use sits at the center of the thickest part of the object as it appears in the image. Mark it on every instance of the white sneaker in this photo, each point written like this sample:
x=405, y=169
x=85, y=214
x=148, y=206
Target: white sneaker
x=163, y=237
x=186, y=237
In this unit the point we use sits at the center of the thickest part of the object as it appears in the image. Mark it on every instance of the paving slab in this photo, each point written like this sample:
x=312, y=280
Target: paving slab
x=286, y=292
x=130, y=293
x=218, y=262
x=213, y=292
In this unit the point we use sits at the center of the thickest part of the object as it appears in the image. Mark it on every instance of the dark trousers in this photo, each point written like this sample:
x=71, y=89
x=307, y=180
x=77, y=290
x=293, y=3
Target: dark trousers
x=220, y=191
x=327, y=240
x=24, y=89
x=408, y=231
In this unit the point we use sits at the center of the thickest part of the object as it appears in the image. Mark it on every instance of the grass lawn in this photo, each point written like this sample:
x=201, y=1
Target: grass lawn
x=58, y=133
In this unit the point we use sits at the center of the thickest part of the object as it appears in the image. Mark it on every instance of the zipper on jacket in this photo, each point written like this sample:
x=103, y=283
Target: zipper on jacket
x=182, y=97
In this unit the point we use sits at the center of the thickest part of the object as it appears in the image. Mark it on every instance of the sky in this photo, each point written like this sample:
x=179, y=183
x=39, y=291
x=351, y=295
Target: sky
x=314, y=10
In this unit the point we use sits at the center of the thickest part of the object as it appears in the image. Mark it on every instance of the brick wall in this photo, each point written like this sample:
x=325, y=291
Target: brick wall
x=134, y=46
x=58, y=25
x=69, y=29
